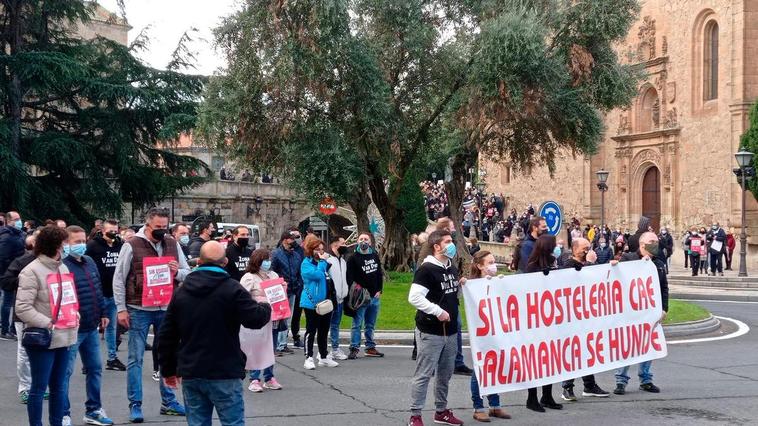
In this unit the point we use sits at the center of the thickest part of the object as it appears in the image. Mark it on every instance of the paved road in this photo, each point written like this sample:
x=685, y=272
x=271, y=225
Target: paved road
x=702, y=383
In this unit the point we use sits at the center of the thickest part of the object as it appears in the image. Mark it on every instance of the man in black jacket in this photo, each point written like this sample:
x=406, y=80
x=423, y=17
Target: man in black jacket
x=716, y=247
x=204, y=234
x=11, y=246
x=200, y=339
x=104, y=249
x=634, y=241
x=648, y=250
x=238, y=252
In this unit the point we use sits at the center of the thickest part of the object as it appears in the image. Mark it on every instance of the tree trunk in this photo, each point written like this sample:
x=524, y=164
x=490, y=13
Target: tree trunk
x=396, y=249
x=456, y=189
x=359, y=202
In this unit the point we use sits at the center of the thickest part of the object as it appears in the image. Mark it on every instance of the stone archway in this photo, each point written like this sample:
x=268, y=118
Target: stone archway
x=651, y=196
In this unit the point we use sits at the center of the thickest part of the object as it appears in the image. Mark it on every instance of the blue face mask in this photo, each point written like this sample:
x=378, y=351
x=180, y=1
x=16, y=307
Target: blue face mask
x=184, y=240
x=557, y=252
x=450, y=250
x=18, y=224
x=76, y=250
x=266, y=265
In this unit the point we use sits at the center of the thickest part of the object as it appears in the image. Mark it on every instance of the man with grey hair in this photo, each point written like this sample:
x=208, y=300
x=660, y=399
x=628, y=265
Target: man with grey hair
x=152, y=241
x=648, y=250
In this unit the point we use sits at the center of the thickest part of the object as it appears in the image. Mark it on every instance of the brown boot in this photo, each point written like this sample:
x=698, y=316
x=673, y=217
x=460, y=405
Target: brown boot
x=481, y=416
x=499, y=413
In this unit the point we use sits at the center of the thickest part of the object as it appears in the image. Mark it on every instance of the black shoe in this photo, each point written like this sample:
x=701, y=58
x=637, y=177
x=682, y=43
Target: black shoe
x=8, y=336
x=148, y=347
x=568, y=395
x=551, y=404
x=288, y=350
x=463, y=371
x=297, y=343
x=115, y=365
x=535, y=406
x=620, y=389
x=595, y=391
x=353, y=353
x=649, y=387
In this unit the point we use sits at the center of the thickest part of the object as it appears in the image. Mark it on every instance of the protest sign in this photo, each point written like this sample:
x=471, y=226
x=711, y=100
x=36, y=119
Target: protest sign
x=157, y=281
x=277, y=298
x=68, y=313
x=529, y=330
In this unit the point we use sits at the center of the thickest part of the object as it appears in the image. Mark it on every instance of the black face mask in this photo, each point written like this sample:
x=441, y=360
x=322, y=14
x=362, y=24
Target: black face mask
x=243, y=242
x=158, y=234
x=112, y=235
x=342, y=250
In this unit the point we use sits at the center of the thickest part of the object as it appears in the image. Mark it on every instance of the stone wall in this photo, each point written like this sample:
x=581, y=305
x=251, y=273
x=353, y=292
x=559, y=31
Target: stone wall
x=670, y=126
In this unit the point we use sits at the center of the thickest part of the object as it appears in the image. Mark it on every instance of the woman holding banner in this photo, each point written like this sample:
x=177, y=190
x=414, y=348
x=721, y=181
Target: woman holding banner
x=263, y=341
x=543, y=259
x=483, y=266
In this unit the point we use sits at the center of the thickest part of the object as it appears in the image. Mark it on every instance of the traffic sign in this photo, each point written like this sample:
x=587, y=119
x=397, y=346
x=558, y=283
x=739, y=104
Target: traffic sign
x=553, y=215
x=327, y=206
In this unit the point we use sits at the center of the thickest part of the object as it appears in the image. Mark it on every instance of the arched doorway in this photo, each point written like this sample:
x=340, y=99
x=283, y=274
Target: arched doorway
x=651, y=197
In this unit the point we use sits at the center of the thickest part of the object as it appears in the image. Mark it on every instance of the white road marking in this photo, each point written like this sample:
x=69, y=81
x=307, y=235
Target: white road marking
x=742, y=329
x=717, y=301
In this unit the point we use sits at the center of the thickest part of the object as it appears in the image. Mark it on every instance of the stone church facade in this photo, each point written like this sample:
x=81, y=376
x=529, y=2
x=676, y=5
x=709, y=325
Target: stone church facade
x=671, y=152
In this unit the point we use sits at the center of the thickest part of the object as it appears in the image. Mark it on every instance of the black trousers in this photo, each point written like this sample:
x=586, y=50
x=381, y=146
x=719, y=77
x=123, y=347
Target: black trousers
x=547, y=393
x=695, y=263
x=589, y=381
x=716, y=262
x=686, y=259
x=295, y=320
x=316, y=327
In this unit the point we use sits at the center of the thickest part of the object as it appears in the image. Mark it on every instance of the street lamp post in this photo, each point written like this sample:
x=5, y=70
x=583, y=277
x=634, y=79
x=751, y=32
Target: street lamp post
x=602, y=178
x=744, y=159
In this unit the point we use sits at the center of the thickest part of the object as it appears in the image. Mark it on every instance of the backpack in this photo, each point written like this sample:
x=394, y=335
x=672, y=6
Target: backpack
x=357, y=297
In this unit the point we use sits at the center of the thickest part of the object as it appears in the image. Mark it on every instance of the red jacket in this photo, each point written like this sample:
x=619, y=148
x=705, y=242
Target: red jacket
x=731, y=243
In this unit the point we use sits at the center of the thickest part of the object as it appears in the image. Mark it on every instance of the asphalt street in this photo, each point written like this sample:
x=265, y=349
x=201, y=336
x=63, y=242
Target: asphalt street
x=713, y=382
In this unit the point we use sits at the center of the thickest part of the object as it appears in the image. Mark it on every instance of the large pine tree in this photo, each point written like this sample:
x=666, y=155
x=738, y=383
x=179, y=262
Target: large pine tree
x=82, y=120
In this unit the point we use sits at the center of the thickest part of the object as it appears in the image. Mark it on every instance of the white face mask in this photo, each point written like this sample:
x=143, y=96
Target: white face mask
x=491, y=270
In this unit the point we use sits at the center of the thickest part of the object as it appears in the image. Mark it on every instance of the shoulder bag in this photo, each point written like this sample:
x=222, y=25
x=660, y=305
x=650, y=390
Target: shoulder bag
x=41, y=337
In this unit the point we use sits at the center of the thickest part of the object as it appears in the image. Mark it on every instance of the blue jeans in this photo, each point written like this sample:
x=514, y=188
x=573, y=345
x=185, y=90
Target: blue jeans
x=110, y=331
x=268, y=372
x=365, y=315
x=9, y=298
x=88, y=345
x=202, y=395
x=643, y=371
x=48, y=372
x=334, y=329
x=493, y=400
x=459, y=353
x=139, y=323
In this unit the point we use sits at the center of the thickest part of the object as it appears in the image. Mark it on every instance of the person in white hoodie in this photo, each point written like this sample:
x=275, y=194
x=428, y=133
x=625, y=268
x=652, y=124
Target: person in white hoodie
x=338, y=273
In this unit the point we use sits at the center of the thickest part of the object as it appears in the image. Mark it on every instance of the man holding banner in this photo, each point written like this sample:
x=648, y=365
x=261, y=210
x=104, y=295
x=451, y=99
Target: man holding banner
x=648, y=250
x=434, y=293
x=534, y=329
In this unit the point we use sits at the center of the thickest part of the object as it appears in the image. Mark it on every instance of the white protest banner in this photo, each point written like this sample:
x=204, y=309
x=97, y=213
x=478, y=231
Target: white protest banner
x=529, y=330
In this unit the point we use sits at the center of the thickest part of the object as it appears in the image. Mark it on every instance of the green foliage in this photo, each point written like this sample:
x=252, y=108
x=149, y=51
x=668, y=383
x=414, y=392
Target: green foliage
x=82, y=119
x=749, y=142
x=394, y=84
x=412, y=202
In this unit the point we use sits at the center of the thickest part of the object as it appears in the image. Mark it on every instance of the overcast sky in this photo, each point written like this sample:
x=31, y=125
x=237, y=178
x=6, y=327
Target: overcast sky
x=169, y=19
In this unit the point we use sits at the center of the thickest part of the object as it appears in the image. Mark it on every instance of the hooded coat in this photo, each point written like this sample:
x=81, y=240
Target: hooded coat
x=634, y=240
x=199, y=337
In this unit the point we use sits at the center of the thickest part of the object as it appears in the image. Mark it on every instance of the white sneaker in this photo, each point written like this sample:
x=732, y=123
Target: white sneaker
x=309, y=364
x=328, y=362
x=66, y=421
x=337, y=354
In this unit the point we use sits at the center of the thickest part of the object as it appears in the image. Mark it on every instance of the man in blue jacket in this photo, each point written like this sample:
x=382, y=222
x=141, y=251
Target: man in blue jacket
x=93, y=313
x=286, y=261
x=11, y=246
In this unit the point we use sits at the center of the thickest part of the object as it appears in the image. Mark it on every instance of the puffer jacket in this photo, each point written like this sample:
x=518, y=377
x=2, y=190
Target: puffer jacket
x=338, y=272
x=315, y=289
x=88, y=291
x=33, y=299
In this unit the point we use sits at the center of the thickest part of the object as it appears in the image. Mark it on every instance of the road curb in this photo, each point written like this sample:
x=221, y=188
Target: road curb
x=692, y=328
x=716, y=297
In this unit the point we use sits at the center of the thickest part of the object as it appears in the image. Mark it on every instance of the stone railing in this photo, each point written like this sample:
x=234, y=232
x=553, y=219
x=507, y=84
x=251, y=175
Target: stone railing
x=239, y=189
